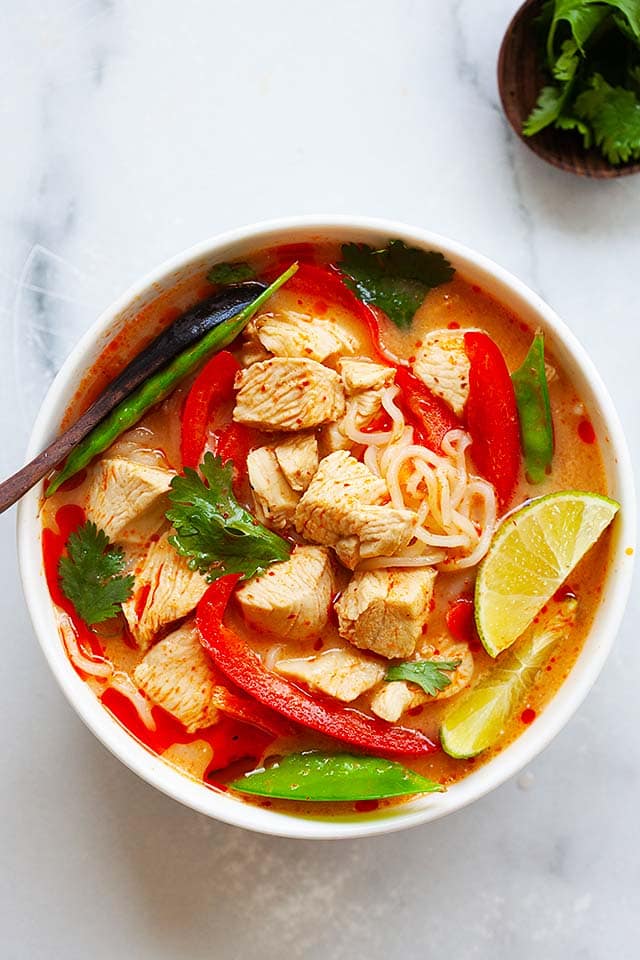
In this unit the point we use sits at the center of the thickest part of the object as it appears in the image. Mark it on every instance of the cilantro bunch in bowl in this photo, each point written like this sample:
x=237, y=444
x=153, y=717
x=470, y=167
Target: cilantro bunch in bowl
x=592, y=58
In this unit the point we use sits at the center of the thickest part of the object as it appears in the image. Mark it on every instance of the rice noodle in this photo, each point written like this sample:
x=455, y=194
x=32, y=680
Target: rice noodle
x=455, y=511
x=273, y=655
x=352, y=431
x=380, y=563
x=97, y=667
x=123, y=683
x=371, y=460
x=103, y=670
x=486, y=493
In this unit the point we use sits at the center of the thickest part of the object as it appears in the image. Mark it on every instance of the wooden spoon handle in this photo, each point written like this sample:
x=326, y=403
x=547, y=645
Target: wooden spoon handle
x=186, y=329
x=15, y=487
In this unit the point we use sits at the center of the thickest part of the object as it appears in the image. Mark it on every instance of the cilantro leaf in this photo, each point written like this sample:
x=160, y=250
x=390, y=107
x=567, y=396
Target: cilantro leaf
x=395, y=279
x=573, y=123
x=567, y=64
x=90, y=574
x=215, y=533
x=614, y=115
x=593, y=64
x=634, y=79
x=583, y=18
x=428, y=674
x=625, y=28
x=224, y=273
x=629, y=10
x=547, y=110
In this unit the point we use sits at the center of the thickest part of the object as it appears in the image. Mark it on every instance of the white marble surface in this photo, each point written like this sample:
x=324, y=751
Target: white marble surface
x=130, y=130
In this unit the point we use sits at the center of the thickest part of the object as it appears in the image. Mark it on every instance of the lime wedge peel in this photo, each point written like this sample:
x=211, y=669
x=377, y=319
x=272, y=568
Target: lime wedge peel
x=479, y=717
x=532, y=553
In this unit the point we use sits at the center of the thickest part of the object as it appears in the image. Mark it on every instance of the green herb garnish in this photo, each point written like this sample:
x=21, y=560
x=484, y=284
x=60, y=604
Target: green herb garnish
x=428, y=674
x=592, y=57
x=395, y=279
x=90, y=576
x=546, y=111
x=614, y=116
x=224, y=273
x=213, y=531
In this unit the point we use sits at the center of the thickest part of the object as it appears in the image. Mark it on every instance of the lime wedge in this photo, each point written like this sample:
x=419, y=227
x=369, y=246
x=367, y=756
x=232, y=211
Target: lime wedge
x=532, y=553
x=478, y=718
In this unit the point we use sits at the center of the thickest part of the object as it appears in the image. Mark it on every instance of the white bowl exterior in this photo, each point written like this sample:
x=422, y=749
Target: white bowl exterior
x=522, y=301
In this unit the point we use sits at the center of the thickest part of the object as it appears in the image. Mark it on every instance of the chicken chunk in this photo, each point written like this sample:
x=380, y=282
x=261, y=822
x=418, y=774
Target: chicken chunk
x=360, y=373
x=288, y=394
x=298, y=460
x=385, y=610
x=364, y=383
x=342, y=481
x=252, y=351
x=360, y=410
x=333, y=438
x=166, y=590
x=363, y=407
x=288, y=333
x=392, y=699
x=442, y=364
x=291, y=599
x=178, y=675
x=344, y=507
x=127, y=499
x=275, y=500
x=342, y=674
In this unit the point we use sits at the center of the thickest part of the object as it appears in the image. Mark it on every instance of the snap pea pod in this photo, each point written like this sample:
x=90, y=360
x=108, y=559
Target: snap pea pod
x=534, y=410
x=158, y=386
x=338, y=777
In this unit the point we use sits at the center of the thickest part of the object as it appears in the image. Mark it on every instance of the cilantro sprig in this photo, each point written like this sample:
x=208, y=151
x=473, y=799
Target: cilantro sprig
x=396, y=279
x=213, y=531
x=592, y=54
x=614, y=117
x=431, y=675
x=90, y=576
x=231, y=272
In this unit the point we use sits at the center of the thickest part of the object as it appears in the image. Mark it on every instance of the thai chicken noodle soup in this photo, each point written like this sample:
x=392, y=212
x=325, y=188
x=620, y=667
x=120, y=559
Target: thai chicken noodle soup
x=345, y=546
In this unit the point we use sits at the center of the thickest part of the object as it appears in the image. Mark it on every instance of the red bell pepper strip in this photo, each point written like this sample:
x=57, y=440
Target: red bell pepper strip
x=492, y=415
x=235, y=658
x=370, y=316
x=212, y=386
x=234, y=442
x=381, y=421
x=241, y=707
x=231, y=741
x=428, y=414
x=460, y=620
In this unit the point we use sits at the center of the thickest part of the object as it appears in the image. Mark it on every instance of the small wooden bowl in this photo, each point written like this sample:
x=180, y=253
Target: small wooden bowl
x=521, y=76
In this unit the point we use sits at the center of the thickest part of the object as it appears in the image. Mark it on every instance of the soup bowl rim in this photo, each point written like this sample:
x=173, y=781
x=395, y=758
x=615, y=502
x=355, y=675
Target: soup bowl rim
x=487, y=776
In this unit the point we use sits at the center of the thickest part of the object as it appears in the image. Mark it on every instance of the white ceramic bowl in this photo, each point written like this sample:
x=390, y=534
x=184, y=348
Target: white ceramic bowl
x=509, y=291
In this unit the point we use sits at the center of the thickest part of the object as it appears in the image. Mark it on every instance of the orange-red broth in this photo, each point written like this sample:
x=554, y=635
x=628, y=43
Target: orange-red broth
x=577, y=464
